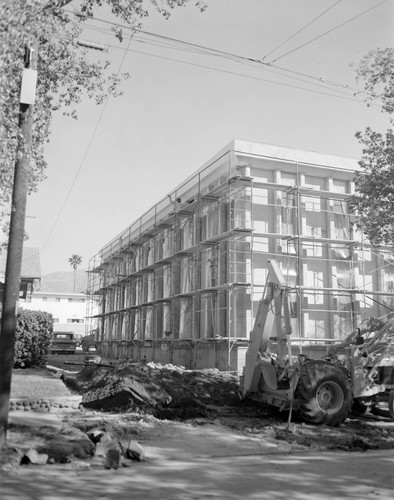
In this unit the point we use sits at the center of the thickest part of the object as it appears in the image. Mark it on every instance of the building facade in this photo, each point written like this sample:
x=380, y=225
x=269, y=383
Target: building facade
x=30, y=271
x=182, y=283
x=68, y=310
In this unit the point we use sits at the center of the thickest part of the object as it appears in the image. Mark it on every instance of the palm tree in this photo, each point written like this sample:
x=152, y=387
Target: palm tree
x=75, y=260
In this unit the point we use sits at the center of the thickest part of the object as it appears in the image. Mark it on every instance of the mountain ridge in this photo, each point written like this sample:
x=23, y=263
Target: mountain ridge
x=63, y=282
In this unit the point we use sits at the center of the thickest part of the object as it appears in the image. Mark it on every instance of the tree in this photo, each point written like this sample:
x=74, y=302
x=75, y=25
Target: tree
x=373, y=201
x=75, y=260
x=65, y=74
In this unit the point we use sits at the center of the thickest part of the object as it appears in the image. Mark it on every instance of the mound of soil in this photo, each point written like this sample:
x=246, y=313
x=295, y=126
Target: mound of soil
x=164, y=389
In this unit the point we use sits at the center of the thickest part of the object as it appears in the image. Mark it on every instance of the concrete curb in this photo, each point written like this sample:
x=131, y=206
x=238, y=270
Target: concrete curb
x=45, y=404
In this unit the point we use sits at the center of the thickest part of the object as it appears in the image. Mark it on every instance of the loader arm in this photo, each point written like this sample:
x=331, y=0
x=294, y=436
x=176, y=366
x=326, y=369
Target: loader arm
x=268, y=322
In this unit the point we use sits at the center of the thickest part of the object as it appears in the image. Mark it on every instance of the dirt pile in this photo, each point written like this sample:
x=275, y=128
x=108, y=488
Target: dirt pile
x=167, y=391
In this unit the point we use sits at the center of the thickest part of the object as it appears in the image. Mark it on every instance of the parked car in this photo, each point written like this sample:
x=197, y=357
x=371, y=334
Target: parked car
x=63, y=342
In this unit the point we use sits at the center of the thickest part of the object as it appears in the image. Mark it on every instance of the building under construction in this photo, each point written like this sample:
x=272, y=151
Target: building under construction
x=182, y=283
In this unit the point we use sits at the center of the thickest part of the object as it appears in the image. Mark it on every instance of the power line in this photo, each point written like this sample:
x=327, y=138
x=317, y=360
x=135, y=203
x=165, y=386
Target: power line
x=241, y=75
x=329, y=31
x=301, y=29
x=344, y=95
x=164, y=37
x=85, y=154
x=204, y=50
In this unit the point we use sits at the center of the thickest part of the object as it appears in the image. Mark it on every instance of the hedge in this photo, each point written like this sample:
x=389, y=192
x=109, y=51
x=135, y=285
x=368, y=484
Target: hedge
x=33, y=335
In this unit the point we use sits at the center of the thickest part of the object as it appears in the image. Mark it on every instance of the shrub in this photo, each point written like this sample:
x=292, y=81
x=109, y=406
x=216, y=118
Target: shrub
x=33, y=335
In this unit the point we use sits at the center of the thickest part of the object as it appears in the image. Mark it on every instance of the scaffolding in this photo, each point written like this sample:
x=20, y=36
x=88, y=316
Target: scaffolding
x=182, y=284
x=172, y=282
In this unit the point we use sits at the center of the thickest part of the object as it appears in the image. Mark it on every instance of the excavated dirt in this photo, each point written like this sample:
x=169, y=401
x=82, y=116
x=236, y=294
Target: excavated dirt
x=176, y=413
x=154, y=388
x=202, y=397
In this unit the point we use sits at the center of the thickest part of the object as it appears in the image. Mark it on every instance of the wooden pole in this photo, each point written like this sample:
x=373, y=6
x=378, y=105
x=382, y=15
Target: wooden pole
x=15, y=240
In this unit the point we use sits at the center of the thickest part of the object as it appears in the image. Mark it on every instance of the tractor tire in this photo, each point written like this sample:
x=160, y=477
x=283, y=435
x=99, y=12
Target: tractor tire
x=324, y=393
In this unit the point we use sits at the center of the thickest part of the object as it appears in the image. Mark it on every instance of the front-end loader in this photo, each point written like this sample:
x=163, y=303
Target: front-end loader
x=323, y=391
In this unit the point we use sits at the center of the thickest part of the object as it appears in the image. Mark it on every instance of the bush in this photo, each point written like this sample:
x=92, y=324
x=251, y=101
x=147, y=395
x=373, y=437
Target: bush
x=33, y=335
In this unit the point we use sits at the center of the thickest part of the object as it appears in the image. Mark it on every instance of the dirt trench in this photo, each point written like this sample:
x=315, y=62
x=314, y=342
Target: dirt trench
x=204, y=397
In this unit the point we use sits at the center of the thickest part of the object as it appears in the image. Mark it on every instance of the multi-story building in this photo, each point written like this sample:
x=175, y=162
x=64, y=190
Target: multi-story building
x=182, y=283
x=68, y=310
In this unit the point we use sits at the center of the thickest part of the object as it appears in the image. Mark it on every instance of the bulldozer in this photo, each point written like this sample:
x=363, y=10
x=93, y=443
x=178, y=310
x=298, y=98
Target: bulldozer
x=353, y=373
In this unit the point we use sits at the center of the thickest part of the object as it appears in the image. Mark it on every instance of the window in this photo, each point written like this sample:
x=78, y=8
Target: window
x=70, y=300
x=56, y=320
x=311, y=203
x=57, y=299
x=44, y=299
x=75, y=320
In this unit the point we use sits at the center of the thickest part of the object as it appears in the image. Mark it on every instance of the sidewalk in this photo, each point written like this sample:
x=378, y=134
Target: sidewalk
x=40, y=390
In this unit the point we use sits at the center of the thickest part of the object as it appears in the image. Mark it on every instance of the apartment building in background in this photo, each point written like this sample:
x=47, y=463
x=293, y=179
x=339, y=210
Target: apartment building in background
x=68, y=310
x=182, y=283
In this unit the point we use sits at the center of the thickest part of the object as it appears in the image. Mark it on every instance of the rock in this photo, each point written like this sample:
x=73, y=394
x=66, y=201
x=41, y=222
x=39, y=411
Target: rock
x=68, y=443
x=36, y=458
x=109, y=448
x=112, y=459
x=136, y=451
x=10, y=458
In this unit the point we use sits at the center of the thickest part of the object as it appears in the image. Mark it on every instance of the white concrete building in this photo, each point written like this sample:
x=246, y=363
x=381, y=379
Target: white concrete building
x=68, y=309
x=182, y=283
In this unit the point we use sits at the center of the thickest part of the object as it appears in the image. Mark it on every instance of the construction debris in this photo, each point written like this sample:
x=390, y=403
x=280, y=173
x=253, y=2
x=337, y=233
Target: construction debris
x=168, y=391
x=135, y=451
x=108, y=448
x=36, y=458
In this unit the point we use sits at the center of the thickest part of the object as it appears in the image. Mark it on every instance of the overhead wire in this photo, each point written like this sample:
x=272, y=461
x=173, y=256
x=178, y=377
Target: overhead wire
x=345, y=96
x=204, y=50
x=268, y=67
x=301, y=29
x=243, y=75
x=329, y=31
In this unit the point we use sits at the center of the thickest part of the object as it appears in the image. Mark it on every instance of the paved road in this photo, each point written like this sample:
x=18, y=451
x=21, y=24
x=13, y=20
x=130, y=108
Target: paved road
x=327, y=476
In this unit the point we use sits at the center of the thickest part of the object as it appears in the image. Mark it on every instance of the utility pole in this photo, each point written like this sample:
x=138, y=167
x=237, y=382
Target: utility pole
x=16, y=236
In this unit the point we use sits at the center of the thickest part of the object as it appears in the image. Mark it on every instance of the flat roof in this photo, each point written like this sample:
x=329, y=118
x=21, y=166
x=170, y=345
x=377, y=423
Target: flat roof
x=259, y=150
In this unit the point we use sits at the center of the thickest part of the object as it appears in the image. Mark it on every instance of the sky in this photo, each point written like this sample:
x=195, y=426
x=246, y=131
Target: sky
x=179, y=108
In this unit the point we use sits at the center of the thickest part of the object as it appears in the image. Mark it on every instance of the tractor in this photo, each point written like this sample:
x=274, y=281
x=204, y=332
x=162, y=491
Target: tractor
x=352, y=374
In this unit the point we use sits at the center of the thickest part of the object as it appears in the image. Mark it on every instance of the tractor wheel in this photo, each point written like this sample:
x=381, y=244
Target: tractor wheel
x=324, y=393
x=391, y=404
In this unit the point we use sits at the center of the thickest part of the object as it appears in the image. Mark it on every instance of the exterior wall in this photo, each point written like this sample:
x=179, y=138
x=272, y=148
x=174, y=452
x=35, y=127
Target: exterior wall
x=67, y=309
x=182, y=283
